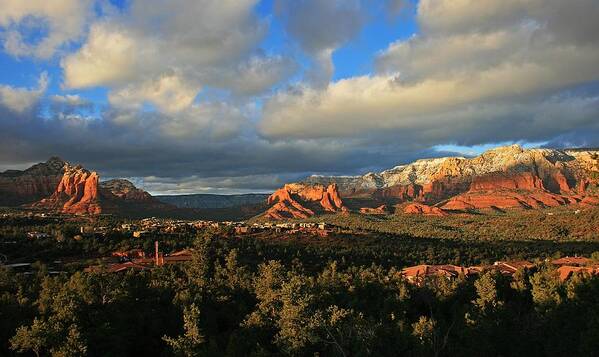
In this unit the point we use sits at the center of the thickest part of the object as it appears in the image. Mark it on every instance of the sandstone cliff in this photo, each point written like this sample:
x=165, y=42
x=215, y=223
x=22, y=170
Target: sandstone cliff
x=419, y=208
x=302, y=201
x=77, y=192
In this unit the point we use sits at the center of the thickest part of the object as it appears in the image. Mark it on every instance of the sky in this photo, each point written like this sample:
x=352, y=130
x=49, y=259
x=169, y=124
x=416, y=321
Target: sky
x=234, y=96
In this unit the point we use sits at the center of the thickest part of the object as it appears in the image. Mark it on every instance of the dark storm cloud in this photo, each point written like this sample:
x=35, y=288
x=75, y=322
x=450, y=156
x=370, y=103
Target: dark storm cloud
x=138, y=145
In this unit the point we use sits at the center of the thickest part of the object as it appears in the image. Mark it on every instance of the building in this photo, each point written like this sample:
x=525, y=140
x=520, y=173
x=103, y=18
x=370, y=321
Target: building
x=131, y=254
x=566, y=271
x=242, y=230
x=37, y=235
x=572, y=261
x=140, y=234
x=511, y=267
x=417, y=274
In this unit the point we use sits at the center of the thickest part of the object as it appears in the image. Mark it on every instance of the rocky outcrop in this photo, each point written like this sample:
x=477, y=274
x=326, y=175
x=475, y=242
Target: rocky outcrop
x=507, y=181
x=302, y=201
x=506, y=199
x=124, y=189
x=422, y=209
x=439, y=178
x=30, y=185
x=77, y=192
x=401, y=192
x=380, y=210
x=503, y=190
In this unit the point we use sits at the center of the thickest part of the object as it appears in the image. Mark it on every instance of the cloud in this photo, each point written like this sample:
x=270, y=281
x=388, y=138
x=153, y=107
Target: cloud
x=57, y=23
x=22, y=100
x=570, y=21
x=209, y=147
x=322, y=24
x=150, y=53
x=320, y=27
x=226, y=185
x=196, y=105
x=70, y=104
x=462, y=80
x=256, y=75
x=70, y=99
x=395, y=7
x=170, y=93
x=109, y=57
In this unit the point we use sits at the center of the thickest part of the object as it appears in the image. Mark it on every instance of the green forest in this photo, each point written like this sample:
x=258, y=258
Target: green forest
x=343, y=296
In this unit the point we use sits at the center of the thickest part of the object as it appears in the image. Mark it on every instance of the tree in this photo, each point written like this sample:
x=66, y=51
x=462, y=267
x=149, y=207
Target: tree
x=546, y=289
x=74, y=345
x=486, y=289
x=425, y=330
x=191, y=340
x=35, y=338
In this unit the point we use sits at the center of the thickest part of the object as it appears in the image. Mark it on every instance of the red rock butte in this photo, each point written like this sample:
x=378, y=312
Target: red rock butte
x=59, y=186
x=302, y=201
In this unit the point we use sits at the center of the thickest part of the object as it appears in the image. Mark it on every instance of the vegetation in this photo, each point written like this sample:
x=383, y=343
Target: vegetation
x=555, y=224
x=294, y=294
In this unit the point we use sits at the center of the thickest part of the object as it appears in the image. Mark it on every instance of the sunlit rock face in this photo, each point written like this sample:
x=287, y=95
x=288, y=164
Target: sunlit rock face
x=505, y=177
x=79, y=191
x=299, y=200
x=422, y=209
x=380, y=210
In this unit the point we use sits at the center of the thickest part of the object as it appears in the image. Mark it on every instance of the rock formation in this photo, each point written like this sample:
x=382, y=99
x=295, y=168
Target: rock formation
x=382, y=209
x=124, y=189
x=419, y=208
x=302, y=201
x=501, y=178
x=79, y=191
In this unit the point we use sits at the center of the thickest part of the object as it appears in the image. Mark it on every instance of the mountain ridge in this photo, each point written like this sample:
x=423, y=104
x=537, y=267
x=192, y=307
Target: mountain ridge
x=500, y=178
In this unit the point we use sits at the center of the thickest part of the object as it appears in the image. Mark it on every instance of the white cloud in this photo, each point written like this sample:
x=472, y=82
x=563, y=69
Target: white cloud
x=136, y=53
x=21, y=100
x=215, y=120
x=454, y=16
x=461, y=79
x=170, y=93
x=60, y=22
x=109, y=57
x=256, y=75
x=70, y=99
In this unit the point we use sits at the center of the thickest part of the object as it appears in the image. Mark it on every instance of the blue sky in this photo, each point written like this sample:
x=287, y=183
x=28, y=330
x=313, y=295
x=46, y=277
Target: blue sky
x=237, y=96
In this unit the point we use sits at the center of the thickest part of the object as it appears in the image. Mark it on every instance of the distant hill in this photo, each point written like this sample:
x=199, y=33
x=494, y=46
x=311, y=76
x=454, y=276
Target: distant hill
x=211, y=201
